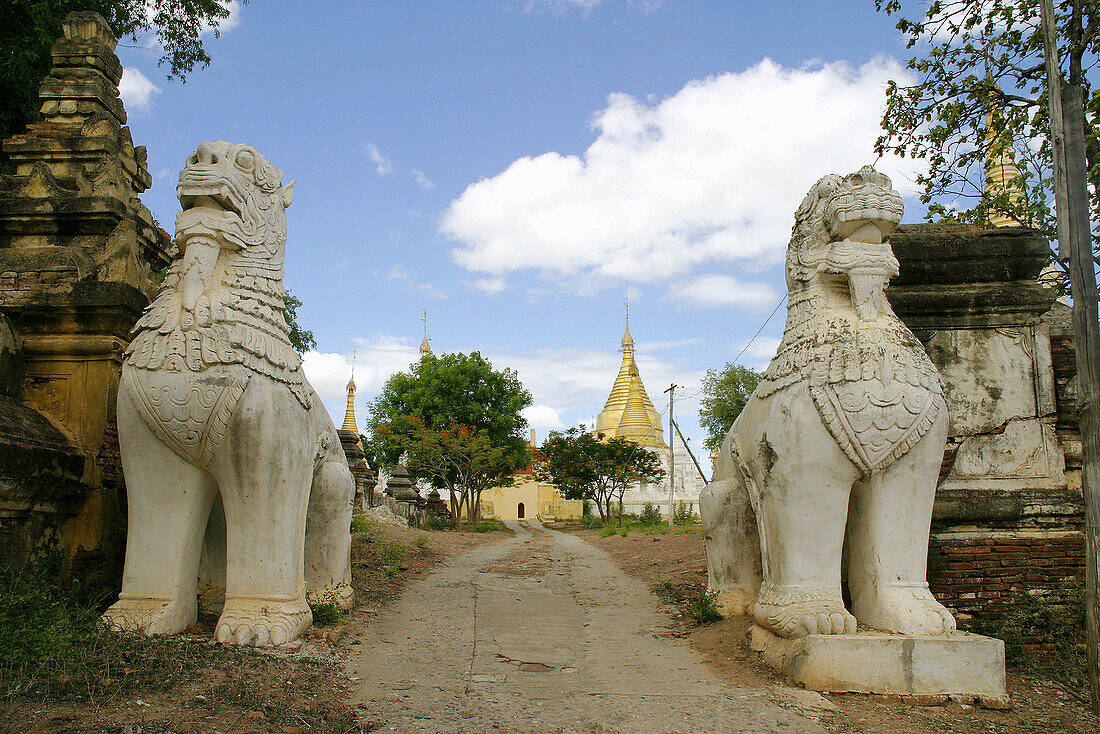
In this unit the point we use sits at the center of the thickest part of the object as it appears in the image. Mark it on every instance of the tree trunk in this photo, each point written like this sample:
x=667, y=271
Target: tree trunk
x=1086, y=334
x=1067, y=118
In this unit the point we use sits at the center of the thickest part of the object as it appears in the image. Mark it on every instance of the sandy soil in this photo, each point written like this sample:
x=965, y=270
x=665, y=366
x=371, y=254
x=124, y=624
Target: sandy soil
x=674, y=566
x=274, y=692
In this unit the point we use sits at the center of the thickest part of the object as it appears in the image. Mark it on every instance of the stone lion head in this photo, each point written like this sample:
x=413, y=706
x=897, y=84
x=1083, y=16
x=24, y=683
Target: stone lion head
x=862, y=205
x=233, y=195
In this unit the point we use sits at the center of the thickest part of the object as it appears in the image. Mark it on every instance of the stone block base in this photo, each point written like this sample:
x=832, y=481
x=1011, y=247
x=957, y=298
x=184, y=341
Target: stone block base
x=878, y=662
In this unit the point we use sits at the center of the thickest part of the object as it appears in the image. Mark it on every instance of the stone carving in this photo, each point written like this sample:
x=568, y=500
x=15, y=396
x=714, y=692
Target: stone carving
x=842, y=441
x=216, y=419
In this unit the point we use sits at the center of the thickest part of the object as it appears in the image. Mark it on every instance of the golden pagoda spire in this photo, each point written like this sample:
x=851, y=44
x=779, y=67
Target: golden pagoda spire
x=349, y=416
x=425, y=346
x=628, y=411
x=1001, y=171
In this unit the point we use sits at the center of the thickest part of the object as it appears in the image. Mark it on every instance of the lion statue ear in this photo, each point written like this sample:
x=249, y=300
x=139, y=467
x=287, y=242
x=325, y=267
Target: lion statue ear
x=288, y=194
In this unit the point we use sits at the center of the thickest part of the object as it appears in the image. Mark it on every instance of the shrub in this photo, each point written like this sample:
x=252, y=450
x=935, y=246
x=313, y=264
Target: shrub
x=326, y=608
x=1057, y=619
x=684, y=514
x=651, y=515
x=703, y=609
x=592, y=522
x=435, y=522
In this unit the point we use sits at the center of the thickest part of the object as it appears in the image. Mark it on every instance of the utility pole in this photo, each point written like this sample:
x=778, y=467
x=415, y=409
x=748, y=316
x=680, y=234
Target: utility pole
x=1067, y=118
x=671, y=450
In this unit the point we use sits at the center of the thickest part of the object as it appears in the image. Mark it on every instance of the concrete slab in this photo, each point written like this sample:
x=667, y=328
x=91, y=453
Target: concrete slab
x=878, y=662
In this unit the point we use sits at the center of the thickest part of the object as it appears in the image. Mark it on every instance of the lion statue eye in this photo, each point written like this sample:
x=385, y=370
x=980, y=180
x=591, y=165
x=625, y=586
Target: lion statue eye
x=245, y=159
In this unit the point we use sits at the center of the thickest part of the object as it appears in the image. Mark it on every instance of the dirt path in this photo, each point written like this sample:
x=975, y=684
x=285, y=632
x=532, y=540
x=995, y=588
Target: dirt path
x=543, y=633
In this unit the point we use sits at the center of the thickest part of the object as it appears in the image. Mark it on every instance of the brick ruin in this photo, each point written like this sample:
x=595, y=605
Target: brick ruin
x=1009, y=508
x=78, y=255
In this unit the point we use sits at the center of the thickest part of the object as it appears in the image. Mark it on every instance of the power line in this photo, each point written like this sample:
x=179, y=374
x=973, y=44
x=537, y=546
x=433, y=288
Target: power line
x=749, y=344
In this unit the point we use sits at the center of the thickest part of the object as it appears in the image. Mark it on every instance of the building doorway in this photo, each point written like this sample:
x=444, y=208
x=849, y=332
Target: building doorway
x=519, y=511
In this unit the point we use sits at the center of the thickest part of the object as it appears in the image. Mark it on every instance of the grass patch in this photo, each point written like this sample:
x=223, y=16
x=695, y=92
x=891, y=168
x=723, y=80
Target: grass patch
x=364, y=529
x=390, y=552
x=1058, y=620
x=421, y=540
x=489, y=525
x=52, y=645
x=392, y=570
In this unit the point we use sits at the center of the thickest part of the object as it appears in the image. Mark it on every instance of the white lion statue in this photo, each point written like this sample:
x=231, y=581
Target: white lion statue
x=838, y=451
x=222, y=437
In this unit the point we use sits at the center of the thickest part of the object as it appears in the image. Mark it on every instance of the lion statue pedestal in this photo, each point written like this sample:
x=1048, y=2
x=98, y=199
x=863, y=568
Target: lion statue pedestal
x=235, y=478
x=836, y=455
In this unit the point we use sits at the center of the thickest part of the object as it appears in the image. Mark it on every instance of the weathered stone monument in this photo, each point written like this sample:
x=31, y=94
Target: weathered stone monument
x=215, y=413
x=832, y=468
x=78, y=251
x=1009, y=510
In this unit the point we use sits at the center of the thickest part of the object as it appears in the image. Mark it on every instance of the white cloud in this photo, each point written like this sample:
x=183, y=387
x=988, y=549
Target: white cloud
x=340, y=265
x=422, y=181
x=397, y=272
x=543, y=419
x=376, y=358
x=490, y=285
x=430, y=290
x=560, y=6
x=713, y=173
x=136, y=90
x=715, y=290
x=382, y=165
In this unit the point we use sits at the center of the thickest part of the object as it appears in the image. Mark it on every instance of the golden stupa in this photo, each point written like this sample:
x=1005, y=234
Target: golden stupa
x=349, y=415
x=628, y=411
x=1001, y=171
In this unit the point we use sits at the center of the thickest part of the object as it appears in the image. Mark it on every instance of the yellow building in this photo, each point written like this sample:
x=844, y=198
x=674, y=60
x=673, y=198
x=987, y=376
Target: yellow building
x=529, y=497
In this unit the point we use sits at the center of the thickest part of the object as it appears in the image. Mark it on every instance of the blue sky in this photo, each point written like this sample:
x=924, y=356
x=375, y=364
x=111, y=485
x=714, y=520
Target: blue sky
x=518, y=169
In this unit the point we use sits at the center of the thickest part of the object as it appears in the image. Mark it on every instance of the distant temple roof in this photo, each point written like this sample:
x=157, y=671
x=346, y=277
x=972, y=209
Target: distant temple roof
x=628, y=412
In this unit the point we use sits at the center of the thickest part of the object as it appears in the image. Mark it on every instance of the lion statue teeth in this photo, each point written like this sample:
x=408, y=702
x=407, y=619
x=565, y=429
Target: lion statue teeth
x=840, y=444
x=235, y=480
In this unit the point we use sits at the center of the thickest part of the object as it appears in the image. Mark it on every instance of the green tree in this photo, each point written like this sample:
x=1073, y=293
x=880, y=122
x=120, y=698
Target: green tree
x=459, y=459
x=725, y=393
x=443, y=392
x=981, y=90
x=28, y=29
x=301, y=339
x=586, y=466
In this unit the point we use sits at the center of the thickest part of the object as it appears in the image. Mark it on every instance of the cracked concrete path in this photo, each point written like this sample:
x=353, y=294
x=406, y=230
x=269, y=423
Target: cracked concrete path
x=543, y=633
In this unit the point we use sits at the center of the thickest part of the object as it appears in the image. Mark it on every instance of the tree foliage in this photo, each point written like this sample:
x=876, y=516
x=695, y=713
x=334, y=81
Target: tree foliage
x=586, y=466
x=725, y=393
x=981, y=89
x=28, y=29
x=301, y=339
x=460, y=459
x=457, y=405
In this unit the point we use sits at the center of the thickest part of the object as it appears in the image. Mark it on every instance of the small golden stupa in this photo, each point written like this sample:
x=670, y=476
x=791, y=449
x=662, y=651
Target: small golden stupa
x=1001, y=171
x=349, y=415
